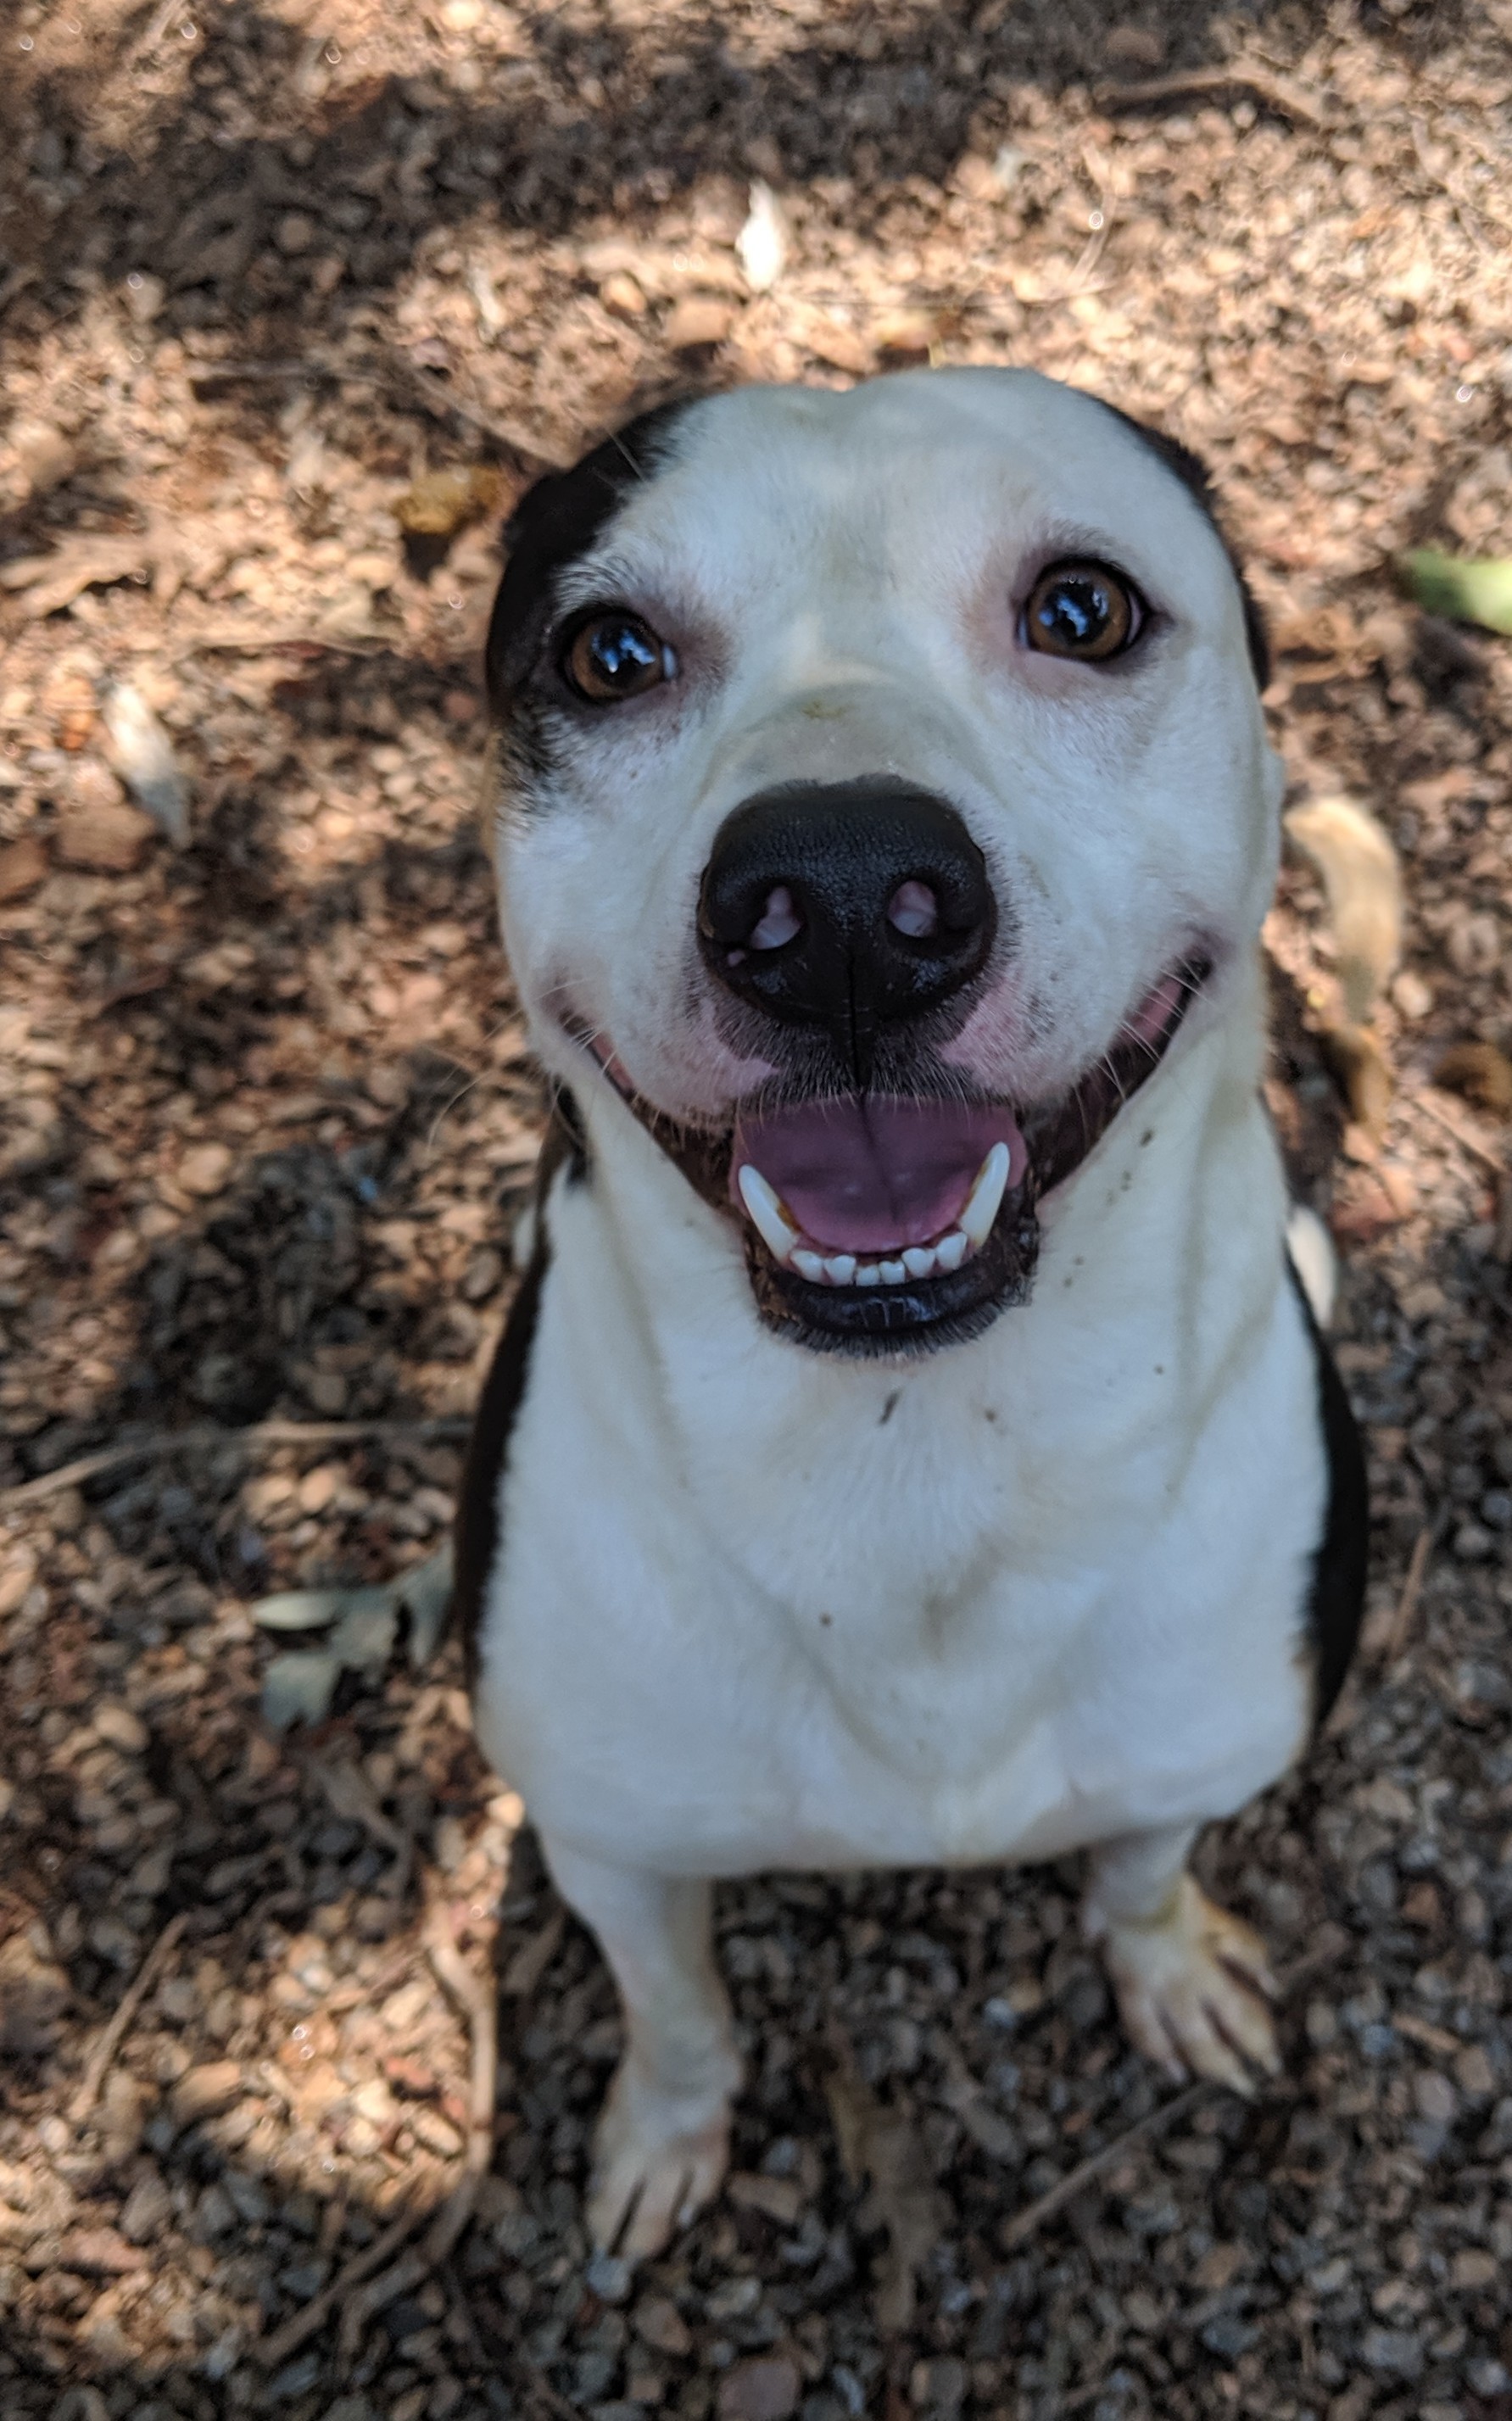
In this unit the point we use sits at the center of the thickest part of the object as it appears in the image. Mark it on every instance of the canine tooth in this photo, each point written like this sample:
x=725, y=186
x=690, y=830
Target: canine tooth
x=893, y=1273
x=808, y=1265
x=985, y=1195
x=841, y=1270
x=919, y=1261
x=767, y=1216
x=867, y=1274
x=951, y=1250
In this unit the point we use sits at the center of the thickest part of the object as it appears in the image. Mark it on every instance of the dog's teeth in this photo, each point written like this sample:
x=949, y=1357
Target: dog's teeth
x=867, y=1274
x=841, y=1269
x=985, y=1195
x=767, y=1216
x=808, y=1265
x=919, y=1261
x=893, y=1273
x=951, y=1250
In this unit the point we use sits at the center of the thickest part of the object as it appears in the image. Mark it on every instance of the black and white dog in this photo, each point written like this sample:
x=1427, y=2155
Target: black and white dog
x=910, y=1443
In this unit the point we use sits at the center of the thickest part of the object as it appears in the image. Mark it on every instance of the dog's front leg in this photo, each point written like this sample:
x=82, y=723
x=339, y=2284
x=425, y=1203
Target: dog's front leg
x=663, y=2143
x=1193, y=1982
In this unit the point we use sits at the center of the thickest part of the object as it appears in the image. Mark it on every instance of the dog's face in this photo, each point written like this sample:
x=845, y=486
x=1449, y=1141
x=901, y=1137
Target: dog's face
x=881, y=784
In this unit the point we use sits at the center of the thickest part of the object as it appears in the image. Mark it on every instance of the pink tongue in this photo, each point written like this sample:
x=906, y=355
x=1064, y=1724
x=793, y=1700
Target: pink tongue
x=867, y=1176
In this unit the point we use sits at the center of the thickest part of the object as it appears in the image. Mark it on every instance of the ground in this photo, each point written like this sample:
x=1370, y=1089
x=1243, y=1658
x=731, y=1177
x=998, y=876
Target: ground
x=270, y=1117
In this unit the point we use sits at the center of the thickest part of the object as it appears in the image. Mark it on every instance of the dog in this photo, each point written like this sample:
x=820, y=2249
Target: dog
x=912, y=1441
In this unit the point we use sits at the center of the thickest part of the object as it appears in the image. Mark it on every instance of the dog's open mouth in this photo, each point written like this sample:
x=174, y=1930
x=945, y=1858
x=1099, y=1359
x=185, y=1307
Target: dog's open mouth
x=874, y=1221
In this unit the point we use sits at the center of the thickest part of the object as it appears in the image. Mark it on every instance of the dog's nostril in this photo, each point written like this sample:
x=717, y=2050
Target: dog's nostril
x=914, y=910
x=780, y=921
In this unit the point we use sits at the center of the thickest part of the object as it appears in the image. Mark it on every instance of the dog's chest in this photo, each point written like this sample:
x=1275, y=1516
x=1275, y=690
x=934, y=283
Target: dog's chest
x=941, y=1632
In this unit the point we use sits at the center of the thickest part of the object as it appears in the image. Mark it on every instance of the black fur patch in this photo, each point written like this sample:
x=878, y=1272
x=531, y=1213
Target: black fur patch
x=1336, y=1601
x=554, y=522
x=1196, y=478
x=503, y=1390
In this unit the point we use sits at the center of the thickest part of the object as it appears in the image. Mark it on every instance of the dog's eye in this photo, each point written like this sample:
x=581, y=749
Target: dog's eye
x=1082, y=610
x=615, y=656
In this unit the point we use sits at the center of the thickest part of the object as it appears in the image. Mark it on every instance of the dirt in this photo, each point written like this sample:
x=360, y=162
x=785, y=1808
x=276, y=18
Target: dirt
x=266, y=275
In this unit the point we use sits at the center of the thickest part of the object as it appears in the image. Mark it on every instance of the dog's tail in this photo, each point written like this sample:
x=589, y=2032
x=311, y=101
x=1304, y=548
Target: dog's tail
x=1315, y=1261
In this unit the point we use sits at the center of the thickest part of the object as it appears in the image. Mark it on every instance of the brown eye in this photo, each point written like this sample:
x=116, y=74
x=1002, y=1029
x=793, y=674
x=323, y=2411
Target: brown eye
x=1082, y=610
x=615, y=656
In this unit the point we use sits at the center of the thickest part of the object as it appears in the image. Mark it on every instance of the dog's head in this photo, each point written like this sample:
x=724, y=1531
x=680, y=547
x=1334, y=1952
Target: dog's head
x=882, y=785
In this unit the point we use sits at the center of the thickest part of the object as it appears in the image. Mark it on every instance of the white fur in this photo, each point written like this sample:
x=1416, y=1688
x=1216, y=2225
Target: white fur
x=759, y=1606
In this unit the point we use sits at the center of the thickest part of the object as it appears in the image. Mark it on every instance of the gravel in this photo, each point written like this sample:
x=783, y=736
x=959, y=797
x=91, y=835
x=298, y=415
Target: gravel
x=292, y=307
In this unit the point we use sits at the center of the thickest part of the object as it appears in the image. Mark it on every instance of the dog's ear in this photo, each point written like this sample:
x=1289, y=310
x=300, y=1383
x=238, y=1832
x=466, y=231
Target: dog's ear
x=1196, y=478
x=557, y=521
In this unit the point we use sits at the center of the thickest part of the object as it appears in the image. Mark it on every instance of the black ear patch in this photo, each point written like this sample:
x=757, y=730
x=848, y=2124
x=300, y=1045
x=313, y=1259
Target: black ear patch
x=1195, y=476
x=556, y=521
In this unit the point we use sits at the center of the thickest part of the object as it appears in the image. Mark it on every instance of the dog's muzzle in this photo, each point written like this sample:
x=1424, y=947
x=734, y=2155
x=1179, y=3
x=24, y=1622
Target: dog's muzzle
x=849, y=929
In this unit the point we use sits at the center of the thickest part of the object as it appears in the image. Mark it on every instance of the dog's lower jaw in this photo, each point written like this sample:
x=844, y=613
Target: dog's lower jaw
x=1194, y=1984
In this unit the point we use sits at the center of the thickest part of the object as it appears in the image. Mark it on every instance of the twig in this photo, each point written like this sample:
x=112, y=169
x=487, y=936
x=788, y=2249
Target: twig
x=1467, y=1142
x=1331, y=1943
x=274, y=2350
x=204, y=1441
x=1407, y=1604
x=475, y=1996
x=1033, y=2216
x=407, y=379
x=130, y=2001
x=1277, y=92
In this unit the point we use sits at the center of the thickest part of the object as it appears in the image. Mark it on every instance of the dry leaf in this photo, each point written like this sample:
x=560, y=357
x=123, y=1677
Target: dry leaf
x=1362, y=880
x=1481, y=1072
x=142, y=755
x=1364, y=1075
x=881, y=2144
x=443, y=502
x=762, y=243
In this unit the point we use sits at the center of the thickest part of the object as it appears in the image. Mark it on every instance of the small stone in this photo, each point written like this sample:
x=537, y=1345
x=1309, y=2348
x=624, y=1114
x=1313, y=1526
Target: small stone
x=205, y=2092
x=609, y=2278
x=23, y=867
x=697, y=320
x=1434, y=2096
x=1133, y=49
x=294, y=233
x=1473, y=2073
x=780, y=2198
x=620, y=294
x=1395, y=2351
x=1473, y=2270
x=483, y=1275
x=764, y=2388
x=205, y=1168
x=317, y=1487
x=1474, y=944
x=147, y=2209
x=939, y=2385
x=34, y=1993
x=121, y=1727
x=373, y=569
x=97, y=828
x=98, y=2251
x=658, y=2323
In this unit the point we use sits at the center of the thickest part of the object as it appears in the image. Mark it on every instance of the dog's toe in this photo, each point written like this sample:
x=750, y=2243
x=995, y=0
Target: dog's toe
x=1193, y=1988
x=656, y=2164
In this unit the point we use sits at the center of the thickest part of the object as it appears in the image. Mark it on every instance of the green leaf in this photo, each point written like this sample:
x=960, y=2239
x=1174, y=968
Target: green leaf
x=1474, y=591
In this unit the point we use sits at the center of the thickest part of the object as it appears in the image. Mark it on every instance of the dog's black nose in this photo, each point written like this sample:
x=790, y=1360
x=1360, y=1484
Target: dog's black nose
x=846, y=906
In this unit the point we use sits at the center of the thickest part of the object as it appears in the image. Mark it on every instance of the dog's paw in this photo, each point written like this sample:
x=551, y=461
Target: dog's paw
x=657, y=2161
x=1194, y=1991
